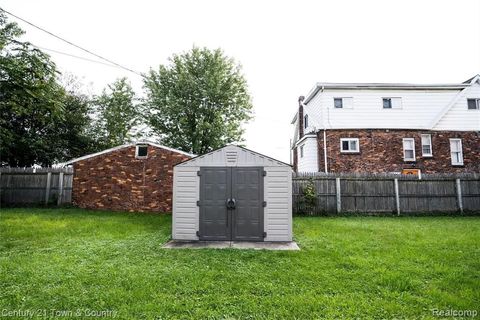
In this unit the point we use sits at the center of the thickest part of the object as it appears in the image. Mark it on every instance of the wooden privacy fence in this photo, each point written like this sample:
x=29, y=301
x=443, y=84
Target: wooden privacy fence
x=35, y=186
x=384, y=193
x=335, y=193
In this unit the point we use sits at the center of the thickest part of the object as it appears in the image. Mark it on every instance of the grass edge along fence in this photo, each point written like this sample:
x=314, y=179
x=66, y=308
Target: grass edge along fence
x=22, y=186
x=342, y=193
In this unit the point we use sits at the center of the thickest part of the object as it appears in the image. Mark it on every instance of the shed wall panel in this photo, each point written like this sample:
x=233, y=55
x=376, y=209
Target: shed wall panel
x=278, y=212
x=186, y=186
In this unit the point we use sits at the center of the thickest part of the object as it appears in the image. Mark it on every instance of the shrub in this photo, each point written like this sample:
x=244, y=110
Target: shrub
x=309, y=197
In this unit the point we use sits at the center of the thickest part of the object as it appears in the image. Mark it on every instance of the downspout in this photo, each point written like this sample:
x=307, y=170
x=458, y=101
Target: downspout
x=325, y=159
x=325, y=149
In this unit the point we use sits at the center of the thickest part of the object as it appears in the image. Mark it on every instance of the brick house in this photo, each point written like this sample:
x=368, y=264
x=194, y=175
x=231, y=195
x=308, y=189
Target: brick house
x=131, y=177
x=390, y=128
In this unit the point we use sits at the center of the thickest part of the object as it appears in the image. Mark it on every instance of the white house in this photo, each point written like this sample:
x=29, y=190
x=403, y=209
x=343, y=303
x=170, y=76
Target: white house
x=388, y=127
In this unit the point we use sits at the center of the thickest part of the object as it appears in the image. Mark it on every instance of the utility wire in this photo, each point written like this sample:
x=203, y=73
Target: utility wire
x=75, y=56
x=71, y=43
x=64, y=53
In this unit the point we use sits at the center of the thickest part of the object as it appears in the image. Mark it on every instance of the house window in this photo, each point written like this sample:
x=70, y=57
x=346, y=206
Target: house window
x=301, y=151
x=392, y=103
x=473, y=104
x=387, y=103
x=408, y=149
x=338, y=102
x=349, y=145
x=141, y=151
x=427, y=145
x=345, y=103
x=305, y=121
x=456, y=152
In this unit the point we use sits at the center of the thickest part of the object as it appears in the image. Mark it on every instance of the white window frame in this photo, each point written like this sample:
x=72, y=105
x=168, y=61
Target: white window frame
x=413, y=148
x=347, y=102
x=477, y=103
x=455, y=163
x=305, y=121
x=357, y=150
x=393, y=103
x=137, y=147
x=429, y=137
x=301, y=151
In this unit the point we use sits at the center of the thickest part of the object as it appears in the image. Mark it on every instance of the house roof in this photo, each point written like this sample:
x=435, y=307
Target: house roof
x=381, y=86
x=472, y=79
x=125, y=146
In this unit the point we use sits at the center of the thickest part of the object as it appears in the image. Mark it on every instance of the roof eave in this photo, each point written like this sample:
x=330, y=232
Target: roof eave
x=294, y=118
x=88, y=156
x=392, y=86
x=312, y=93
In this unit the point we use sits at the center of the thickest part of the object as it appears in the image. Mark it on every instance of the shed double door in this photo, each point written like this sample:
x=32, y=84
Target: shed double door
x=231, y=203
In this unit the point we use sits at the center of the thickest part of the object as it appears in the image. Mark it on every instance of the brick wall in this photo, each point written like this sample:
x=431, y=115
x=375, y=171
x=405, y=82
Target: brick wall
x=382, y=151
x=118, y=181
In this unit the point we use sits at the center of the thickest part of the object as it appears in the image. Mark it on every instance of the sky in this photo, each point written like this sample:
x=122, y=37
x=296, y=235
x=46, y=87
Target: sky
x=284, y=47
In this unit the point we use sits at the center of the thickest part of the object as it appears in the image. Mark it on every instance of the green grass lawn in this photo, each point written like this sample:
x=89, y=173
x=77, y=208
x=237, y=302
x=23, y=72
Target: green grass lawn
x=55, y=260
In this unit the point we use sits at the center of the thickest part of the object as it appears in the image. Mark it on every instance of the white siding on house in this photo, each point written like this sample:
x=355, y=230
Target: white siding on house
x=314, y=118
x=309, y=161
x=277, y=192
x=425, y=107
x=459, y=118
x=418, y=109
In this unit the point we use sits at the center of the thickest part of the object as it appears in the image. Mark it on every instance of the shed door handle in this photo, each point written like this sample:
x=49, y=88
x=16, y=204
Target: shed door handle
x=230, y=203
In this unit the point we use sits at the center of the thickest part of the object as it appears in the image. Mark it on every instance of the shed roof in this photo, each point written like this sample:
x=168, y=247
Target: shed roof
x=233, y=153
x=125, y=146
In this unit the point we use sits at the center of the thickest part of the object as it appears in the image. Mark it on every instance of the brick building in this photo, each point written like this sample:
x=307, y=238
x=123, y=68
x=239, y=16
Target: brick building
x=132, y=177
x=391, y=128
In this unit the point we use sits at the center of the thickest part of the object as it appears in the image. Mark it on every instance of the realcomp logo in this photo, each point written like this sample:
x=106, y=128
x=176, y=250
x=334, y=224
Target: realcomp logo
x=454, y=313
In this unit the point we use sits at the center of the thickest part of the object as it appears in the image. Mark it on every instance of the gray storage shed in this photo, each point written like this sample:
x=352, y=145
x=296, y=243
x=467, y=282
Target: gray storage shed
x=232, y=194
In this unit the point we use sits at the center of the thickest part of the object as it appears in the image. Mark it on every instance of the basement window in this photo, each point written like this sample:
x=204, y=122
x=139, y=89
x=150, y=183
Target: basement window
x=141, y=151
x=473, y=104
x=349, y=145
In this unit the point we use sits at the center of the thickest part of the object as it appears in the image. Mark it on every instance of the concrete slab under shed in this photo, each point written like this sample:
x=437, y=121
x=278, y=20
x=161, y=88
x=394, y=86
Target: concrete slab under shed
x=291, y=245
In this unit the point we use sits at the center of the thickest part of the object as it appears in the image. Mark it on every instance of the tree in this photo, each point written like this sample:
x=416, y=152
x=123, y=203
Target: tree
x=73, y=134
x=42, y=120
x=199, y=101
x=117, y=113
x=30, y=100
